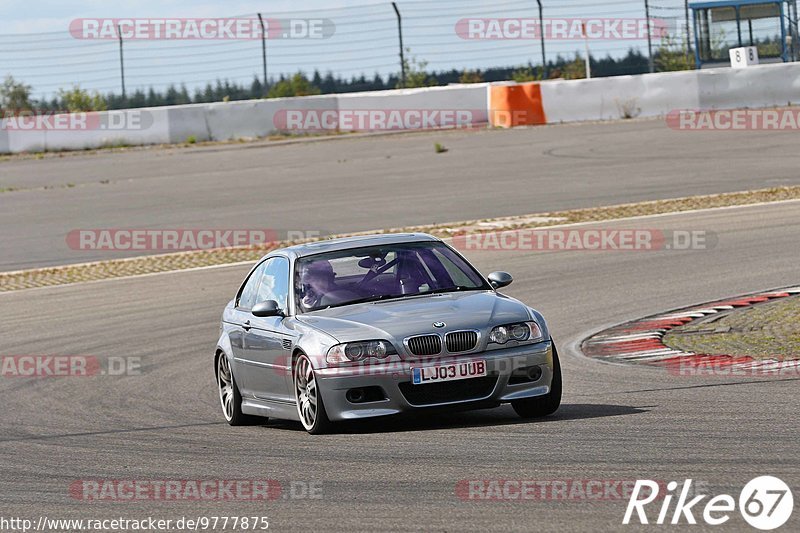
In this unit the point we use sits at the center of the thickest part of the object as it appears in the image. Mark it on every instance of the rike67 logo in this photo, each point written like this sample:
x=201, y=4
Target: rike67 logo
x=765, y=503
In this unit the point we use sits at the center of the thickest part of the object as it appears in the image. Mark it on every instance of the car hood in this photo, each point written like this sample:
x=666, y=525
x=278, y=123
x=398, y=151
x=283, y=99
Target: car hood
x=397, y=319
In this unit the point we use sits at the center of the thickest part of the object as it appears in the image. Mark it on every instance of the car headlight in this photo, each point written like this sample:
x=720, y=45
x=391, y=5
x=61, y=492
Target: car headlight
x=353, y=352
x=520, y=332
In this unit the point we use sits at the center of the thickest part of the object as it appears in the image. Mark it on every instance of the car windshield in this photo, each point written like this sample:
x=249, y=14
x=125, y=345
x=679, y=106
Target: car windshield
x=381, y=272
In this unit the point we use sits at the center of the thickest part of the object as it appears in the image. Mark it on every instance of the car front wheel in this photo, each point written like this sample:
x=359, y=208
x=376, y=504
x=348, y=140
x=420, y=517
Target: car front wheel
x=309, y=400
x=543, y=405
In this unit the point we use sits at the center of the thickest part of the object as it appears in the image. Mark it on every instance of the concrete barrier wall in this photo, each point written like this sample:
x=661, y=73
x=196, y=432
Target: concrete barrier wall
x=186, y=121
x=258, y=118
x=561, y=100
x=113, y=128
x=469, y=101
x=88, y=130
x=26, y=141
x=758, y=86
x=619, y=97
x=648, y=95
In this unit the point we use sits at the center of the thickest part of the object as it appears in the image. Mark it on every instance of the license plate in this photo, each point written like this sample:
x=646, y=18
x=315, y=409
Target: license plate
x=449, y=372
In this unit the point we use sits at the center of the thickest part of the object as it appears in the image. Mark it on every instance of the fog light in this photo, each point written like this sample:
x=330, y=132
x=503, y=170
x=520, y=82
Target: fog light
x=355, y=395
x=534, y=373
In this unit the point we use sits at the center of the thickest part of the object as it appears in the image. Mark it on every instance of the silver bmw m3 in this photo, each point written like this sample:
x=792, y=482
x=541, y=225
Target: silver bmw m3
x=378, y=325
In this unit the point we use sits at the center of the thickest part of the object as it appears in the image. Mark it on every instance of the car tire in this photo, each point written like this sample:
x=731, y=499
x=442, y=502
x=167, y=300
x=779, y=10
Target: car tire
x=543, y=405
x=229, y=396
x=310, y=406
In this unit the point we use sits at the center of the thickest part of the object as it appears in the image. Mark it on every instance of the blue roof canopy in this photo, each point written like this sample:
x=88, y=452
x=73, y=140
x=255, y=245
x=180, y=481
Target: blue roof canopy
x=730, y=3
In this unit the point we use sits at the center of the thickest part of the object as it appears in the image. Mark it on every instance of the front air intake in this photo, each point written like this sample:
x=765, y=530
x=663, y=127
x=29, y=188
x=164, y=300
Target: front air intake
x=461, y=341
x=425, y=345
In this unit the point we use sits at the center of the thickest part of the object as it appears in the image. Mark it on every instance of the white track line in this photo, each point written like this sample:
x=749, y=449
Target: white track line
x=574, y=224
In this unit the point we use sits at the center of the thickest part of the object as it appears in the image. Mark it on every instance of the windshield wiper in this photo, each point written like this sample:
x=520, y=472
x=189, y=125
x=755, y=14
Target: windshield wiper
x=384, y=297
x=376, y=298
x=456, y=288
x=415, y=294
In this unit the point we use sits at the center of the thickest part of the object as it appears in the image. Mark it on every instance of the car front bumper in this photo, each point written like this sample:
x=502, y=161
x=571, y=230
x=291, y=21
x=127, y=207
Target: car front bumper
x=506, y=381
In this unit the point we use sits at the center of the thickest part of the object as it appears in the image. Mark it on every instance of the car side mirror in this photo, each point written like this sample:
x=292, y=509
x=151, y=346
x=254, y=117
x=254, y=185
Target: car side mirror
x=500, y=279
x=265, y=309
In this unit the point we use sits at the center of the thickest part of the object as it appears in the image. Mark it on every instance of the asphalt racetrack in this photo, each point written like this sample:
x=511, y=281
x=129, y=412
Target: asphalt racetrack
x=349, y=184
x=617, y=422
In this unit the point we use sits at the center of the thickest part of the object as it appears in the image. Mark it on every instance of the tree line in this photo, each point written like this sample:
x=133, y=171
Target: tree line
x=16, y=96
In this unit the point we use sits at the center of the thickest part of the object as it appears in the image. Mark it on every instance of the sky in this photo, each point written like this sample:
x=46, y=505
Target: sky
x=36, y=45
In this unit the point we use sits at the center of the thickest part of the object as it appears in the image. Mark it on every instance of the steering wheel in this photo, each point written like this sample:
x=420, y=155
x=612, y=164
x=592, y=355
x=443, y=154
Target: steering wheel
x=372, y=274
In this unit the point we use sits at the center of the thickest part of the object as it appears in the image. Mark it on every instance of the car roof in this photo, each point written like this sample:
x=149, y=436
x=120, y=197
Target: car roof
x=345, y=243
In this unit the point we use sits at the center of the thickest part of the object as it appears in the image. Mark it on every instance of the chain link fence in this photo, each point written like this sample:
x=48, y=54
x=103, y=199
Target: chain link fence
x=157, y=61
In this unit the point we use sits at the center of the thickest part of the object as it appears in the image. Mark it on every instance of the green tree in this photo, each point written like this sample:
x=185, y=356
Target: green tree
x=138, y=99
x=77, y=100
x=256, y=88
x=329, y=83
x=768, y=48
x=470, y=76
x=416, y=73
x=183, y=96
x=524, y=75
x=171, y=96
x=672, y=55
x=297, y=85
x=575, y=69
x=15, y=96
x=208, y=94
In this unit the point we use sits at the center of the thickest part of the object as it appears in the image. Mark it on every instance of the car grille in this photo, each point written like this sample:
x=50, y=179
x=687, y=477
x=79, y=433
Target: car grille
x=461, y=341
x=449, y=391
x=425, y=345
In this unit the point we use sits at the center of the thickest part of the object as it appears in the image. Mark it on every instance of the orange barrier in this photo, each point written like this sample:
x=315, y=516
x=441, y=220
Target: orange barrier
x=516, y=105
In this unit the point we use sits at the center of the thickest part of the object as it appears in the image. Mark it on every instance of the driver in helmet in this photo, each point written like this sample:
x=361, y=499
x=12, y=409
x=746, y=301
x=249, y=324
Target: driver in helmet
x=316, y=279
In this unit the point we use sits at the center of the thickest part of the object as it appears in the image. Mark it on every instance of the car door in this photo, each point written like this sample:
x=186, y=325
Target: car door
x=268, y=341
x=241, y=322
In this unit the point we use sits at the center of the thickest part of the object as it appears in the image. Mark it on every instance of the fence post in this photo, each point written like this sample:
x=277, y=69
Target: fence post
x=587, y=63
x=121, y=62
x=402, y=57
x=688, y=31
x=541, y=37
x=649, y=37
x=793, y=28
x=263, y=52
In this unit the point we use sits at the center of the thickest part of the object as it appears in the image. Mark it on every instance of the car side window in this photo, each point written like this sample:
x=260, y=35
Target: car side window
x=275, y=282
x=457, y=275
x=247, y=297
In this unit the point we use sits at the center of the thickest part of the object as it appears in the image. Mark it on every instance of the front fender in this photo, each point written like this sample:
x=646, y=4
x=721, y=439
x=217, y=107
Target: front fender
x=223, y=346
x=537, y=316
x=316, y=348
x=313, y=342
